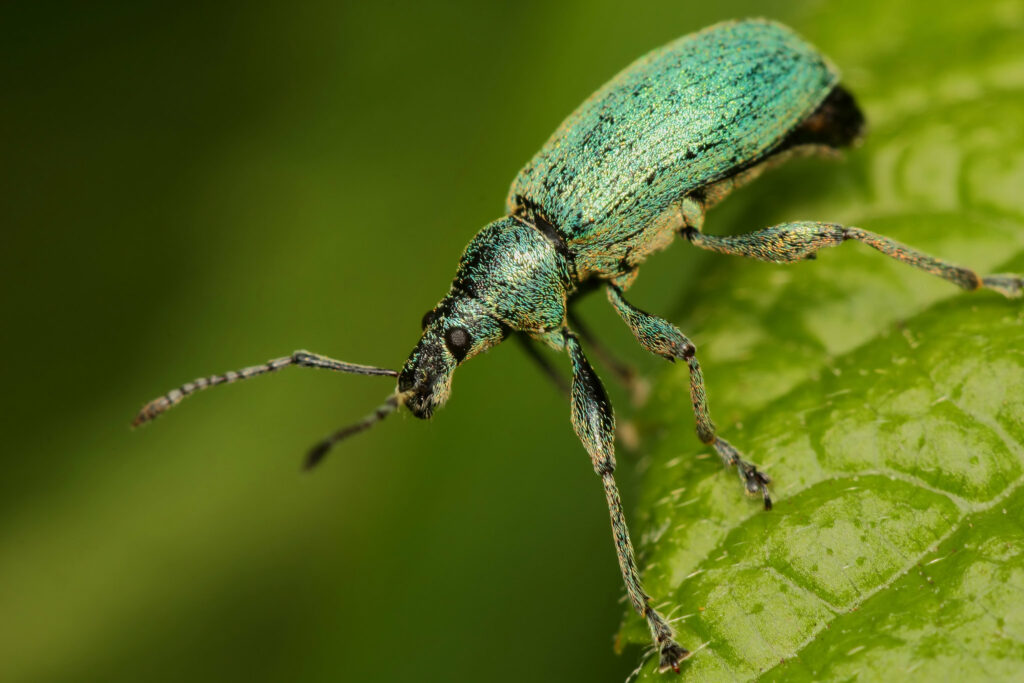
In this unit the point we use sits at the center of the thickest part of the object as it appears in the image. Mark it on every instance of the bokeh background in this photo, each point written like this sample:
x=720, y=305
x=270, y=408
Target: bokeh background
x=189, y=188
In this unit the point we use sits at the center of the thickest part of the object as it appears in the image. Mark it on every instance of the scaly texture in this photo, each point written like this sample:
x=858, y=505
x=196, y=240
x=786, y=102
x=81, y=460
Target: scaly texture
x=676, y=120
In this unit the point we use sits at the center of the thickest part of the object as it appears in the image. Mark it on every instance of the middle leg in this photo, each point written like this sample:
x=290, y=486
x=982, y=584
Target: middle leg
x=664, y=339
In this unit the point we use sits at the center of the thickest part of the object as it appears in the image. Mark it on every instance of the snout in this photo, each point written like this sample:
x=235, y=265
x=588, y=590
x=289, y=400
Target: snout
x=419, y=402
x=421, y=405
x=426, y=377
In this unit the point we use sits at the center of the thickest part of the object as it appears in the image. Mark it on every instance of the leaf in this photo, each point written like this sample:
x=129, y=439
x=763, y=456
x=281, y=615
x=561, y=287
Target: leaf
x=887, y=405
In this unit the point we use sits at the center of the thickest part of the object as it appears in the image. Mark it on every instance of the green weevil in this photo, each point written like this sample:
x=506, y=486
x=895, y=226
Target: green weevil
x=638, y=162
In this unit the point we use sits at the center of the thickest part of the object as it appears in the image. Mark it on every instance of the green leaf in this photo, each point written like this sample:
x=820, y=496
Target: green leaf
x=887, y=405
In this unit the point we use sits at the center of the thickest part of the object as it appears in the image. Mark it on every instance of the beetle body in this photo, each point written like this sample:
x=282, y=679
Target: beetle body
x=638, y=162
x=612, y=177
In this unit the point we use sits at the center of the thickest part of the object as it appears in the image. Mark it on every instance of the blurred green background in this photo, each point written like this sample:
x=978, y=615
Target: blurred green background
x=191, y=188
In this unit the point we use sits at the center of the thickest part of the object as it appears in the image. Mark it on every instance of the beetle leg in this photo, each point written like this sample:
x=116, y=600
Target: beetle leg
x=791, y=242
x=594, y=423
x=637, y=386
x=625, y=432
x=692, y=212
x=664, y=339
x=549, y=370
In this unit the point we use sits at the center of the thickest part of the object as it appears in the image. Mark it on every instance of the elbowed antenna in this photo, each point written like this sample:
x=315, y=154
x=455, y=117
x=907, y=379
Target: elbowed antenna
x=390, y=405
x=304, y=359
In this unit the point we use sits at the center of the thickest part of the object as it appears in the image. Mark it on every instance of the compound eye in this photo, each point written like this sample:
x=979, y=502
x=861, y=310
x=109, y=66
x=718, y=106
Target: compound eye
x=458, y=342
x=428, y=318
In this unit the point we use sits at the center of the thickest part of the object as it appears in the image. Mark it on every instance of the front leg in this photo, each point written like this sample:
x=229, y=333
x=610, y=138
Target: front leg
x=594, y=422
x=549, y=370
x=637, y=387
x=664, y=339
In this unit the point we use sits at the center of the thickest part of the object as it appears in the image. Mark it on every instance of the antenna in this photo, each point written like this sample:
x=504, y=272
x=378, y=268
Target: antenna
x=390, y=405
x=304, y=359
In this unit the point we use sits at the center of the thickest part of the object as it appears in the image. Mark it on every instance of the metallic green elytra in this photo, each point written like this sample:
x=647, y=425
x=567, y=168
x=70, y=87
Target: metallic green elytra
x=637, y=163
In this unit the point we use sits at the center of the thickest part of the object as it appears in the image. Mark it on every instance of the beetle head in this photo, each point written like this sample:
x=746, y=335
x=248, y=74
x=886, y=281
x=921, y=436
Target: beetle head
x=456, y=329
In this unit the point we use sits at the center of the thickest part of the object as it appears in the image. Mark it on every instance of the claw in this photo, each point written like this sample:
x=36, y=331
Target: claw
x=1007, y=284
x=671, y=654
x=756, y=482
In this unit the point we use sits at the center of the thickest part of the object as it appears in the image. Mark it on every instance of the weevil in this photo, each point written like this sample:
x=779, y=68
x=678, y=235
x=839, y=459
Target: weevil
x=637, y=163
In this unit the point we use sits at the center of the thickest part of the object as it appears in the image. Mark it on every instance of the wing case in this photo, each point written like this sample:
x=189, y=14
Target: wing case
x=679, y=118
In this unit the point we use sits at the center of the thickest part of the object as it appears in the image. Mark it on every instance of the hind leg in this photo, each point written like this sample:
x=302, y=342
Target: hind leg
x=790, y=242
